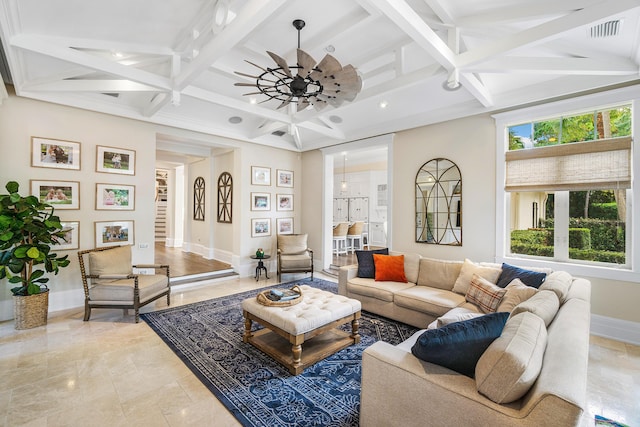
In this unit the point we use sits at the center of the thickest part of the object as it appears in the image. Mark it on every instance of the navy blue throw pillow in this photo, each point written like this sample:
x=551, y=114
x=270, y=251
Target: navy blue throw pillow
x=528, y=277
x=459, y=345
x=366, y=267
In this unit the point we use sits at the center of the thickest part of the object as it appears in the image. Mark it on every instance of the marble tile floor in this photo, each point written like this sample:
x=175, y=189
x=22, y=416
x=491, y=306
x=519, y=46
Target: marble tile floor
x=111, y=371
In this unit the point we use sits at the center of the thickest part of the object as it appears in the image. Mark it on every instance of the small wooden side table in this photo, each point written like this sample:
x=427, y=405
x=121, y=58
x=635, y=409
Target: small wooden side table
x=261, y=266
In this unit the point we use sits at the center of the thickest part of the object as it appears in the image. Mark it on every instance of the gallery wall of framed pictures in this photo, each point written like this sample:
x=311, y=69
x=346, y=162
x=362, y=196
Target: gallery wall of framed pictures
x=64, y=194
x=261, y=201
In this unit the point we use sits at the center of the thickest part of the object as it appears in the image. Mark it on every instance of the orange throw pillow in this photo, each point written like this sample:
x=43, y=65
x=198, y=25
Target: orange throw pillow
x=389, y=268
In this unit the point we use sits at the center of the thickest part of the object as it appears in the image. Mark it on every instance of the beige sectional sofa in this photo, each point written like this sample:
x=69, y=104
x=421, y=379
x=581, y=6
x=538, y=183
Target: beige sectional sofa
x=541, y=355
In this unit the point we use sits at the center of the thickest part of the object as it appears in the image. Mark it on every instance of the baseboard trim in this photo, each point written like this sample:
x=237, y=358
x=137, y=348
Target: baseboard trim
x=616, y=329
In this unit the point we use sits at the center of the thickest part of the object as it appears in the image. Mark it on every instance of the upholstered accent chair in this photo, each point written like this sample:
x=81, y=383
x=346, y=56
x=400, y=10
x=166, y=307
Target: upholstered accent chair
x=294, y=256
x=340, y=238
x=354, y=234
x=109, y=281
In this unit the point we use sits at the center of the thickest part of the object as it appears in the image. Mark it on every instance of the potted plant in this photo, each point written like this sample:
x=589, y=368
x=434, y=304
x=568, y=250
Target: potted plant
x=28, y=228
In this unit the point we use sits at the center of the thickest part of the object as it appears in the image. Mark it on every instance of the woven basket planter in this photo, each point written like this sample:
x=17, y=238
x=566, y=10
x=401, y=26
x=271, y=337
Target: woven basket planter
x=31, y=311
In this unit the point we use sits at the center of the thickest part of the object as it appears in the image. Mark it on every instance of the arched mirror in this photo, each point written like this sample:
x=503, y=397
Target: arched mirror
x=439, y=203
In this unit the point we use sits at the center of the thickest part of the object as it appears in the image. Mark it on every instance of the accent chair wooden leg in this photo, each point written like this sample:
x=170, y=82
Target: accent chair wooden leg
x=87, y=312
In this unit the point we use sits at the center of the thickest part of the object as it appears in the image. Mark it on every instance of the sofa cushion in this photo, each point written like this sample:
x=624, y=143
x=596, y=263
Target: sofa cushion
x=457, y=314
x=466, y=273
x=517, y=292
x=113, y=261
x=528, y=277
x=437, y=273
x=459, y=345
x=512, y=363
x=411, y=265
x=544, y=304
x=389, y=268
x=484, y=294
x=435, y=302
x=383, y=291
x=295, y=261
x=366, y=267
x=558, y=282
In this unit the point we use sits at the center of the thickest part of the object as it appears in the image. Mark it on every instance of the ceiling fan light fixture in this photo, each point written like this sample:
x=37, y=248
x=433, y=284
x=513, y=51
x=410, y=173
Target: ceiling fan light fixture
x=306, y=83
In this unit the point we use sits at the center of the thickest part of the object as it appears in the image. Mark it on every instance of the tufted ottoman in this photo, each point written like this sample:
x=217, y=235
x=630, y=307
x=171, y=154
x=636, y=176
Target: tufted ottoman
x=312, y=322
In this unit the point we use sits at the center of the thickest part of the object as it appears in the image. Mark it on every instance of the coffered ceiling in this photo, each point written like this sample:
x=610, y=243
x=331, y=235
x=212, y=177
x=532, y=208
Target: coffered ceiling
x=172, y=61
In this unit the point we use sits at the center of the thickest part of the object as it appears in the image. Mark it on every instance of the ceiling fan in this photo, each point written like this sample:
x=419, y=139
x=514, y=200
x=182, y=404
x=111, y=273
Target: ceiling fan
x=307, y=82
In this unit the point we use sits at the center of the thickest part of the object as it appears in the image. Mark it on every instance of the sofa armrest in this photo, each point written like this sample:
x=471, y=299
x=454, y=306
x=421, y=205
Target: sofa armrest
x=346, y=273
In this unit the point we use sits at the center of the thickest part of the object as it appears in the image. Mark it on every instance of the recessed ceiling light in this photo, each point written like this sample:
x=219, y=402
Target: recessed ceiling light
x=330, y=48
x=383, y=104
x=235, y=120
x=335, y=119
x=252, y=100
x=117, y=54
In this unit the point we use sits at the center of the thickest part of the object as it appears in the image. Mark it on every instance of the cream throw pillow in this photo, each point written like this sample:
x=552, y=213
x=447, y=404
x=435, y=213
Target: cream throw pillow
x=508, y=368
x=440, y=274
x=468, y=270
x=457, y=314
x=517, y=292
x=544, y=304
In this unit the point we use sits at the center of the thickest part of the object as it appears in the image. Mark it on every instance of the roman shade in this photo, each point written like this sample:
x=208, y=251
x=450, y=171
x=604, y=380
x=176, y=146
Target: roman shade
x=592, y=165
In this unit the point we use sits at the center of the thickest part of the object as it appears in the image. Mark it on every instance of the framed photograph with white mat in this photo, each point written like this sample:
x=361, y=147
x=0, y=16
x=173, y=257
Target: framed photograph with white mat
x=284, y=225
x=71, y=238
x=260, y=227
x=59, y=194
x=116, y=197
x=114, y=233
x=285, y=202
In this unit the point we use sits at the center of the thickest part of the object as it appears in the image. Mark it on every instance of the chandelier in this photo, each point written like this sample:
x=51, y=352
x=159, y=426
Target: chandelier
x=307, y=82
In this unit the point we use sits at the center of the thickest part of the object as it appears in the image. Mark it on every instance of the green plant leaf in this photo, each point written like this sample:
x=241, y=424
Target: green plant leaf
x=32, y=288
x=33, y=253
x=12, y=187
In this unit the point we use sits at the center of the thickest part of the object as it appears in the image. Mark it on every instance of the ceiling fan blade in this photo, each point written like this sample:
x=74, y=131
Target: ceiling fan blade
x=281, y=63
x=307, y=63
x=285, y=103
x=252, y=93
x=319, y=104
x=246, y=75
x=328, y=65
x=303, y=104
x=256, y=65
x=245, y=84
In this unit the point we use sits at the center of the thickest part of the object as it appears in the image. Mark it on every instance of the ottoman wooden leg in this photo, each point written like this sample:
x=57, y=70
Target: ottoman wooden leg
x=247, y=329
x=355, y=327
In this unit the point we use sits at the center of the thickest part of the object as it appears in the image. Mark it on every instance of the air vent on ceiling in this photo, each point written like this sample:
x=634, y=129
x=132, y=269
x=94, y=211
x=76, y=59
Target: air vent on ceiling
x=606, y=29
x=114, y=94
x=278, y=133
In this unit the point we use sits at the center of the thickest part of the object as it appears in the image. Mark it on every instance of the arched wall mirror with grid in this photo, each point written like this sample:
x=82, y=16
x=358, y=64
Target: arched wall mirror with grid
x=439, y=203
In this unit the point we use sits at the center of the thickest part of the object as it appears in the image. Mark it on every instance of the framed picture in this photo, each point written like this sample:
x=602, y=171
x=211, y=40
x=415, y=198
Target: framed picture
x=260, y=227
x=55, y=153
x=71, y=238
x=114, y=233
x=285, y=202
x=260, y=201
x=59, y=194
x=115, y=197
x=115, y=160
x=260, y=175
x=284, y=225
x=284, y=178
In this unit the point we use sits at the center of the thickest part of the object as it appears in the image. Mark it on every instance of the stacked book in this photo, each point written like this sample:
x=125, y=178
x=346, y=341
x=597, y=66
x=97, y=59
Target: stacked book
x=282, y=294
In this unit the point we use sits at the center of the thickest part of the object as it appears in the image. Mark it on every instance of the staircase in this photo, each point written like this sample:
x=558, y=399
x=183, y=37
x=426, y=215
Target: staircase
x=161, y=221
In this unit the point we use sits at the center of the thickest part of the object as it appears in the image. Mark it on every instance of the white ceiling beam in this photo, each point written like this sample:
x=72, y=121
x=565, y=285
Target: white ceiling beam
x=522, y=12
x=323, y=130
x=254, y=13
x=50, y=46
x=236, y=104
x=267, y=128
x=441, y=11
x=557, y=66
x=98, y=86
x=409, y=21
x=400, y=13
x=112, y=46
x=545, y=32
x=157, y=102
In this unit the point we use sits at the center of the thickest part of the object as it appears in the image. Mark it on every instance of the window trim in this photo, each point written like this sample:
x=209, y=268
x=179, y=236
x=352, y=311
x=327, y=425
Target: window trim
x=602, y=100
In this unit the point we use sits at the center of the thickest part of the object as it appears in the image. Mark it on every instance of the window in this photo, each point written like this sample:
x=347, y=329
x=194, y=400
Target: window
x=566, y=185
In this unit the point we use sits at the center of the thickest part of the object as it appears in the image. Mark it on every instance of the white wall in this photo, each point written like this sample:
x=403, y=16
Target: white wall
x=21, y=118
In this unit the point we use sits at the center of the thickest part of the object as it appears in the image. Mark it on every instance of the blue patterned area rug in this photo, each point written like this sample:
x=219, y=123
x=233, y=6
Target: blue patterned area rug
x=258, y=391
